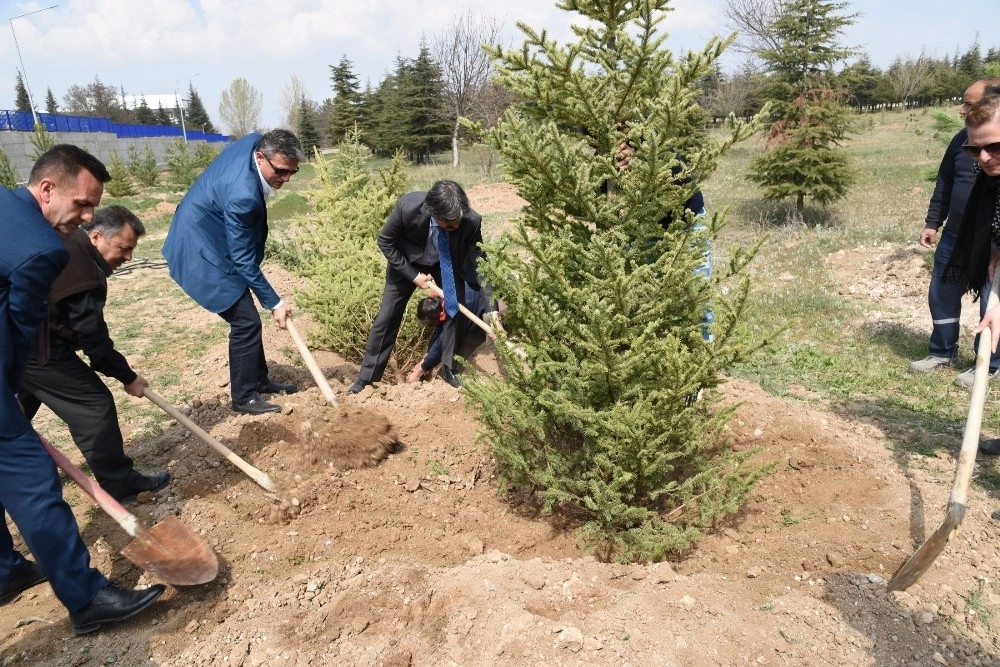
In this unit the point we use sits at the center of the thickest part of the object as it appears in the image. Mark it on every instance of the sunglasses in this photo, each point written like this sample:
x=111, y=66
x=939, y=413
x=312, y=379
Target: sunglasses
x=279, y=172
x=975, y=151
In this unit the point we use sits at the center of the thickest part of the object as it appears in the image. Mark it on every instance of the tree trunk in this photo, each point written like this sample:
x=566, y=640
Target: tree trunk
x=454, y=144
x=800, y=206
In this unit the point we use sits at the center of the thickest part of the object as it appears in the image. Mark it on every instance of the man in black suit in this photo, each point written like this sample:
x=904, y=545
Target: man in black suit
x=64, y=187
x=410, y=242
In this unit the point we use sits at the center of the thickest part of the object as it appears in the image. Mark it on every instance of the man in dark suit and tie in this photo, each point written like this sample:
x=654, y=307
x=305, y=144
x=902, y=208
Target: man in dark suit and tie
x=65, y=185
x=215, y=246
x=412, y=242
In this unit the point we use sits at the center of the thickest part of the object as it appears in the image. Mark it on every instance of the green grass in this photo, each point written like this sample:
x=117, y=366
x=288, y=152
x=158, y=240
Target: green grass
x=831, y=344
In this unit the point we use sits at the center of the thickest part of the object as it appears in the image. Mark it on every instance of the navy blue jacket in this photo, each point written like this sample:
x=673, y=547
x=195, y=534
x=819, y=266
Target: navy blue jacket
x=27, y=269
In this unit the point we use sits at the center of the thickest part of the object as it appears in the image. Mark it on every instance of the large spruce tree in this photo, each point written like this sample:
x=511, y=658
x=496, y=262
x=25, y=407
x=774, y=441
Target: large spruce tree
x=344, y=112
x=808, y=119
x=598, y=413
x=196, y=117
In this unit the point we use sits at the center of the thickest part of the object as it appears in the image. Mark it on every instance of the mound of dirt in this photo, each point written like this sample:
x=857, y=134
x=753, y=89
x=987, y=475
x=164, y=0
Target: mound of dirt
x=421, y=559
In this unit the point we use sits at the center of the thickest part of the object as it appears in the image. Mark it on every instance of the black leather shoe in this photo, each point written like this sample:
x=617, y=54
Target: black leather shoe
x=358, y=385
x=28, y=576
x=990, y=447
x=256, y=406
x=449, y=376
x=112, y=604
x=271, y=387
x=151, y=483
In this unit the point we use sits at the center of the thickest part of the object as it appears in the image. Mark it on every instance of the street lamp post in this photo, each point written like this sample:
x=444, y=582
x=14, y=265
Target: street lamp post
x=180, y=108
x=24, y=72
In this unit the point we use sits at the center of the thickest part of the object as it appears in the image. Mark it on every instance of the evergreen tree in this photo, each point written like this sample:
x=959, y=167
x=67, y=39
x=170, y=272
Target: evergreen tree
x=808, y=121
x=22, y=102
x=334, y=249
x=143, y=114
x=863, y=82
x=142, y=166
x=388, y=126
x=120, y=184
x=195, y=116
x=8, y=174
x=163, y=116
x=429, y=127
x=597, y=417
x=346, y=101
x=970, y=64
x=308, y=135
x=51, y=106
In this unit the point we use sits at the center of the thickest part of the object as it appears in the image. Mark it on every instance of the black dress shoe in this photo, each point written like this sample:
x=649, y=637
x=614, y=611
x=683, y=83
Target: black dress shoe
x=449, y=376
x=271, y=387
x=151, y=483
x=112, y=604
x=358, y=385
x=256, y=406
x=28, y=576
x=990, y=447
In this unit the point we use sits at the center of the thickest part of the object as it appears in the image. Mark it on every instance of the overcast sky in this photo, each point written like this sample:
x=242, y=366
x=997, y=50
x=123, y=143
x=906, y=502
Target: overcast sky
x=148, y=45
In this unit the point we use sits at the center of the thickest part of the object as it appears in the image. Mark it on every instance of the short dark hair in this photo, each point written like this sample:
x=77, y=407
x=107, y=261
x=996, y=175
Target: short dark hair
x=446, y=200
x=281, y=142
x=65, y=161
x=429, y=310
x=110, y=220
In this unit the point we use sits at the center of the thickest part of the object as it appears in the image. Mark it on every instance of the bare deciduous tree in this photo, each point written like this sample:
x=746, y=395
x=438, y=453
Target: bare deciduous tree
x=291, y=101
x=754, y=21
x=465, y=66
x=909, y=77
x=240, y=107
x=734, y=93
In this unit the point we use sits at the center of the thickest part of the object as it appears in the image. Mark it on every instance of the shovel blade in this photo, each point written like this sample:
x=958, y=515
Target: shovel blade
x=932, y=547
x=172, y=553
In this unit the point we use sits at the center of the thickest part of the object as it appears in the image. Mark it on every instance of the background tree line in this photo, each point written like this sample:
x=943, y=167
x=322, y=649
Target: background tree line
x=419, y=103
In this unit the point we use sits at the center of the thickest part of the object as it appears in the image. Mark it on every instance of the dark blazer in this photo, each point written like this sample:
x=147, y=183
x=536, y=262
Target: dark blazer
x=27, y=269
x=216, y=241
x=404, y=236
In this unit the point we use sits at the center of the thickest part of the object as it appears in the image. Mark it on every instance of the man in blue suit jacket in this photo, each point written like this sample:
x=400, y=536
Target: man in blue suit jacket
x=215, y=247
x=65, y=185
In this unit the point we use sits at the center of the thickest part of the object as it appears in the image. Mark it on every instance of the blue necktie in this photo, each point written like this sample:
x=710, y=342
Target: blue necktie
x=447, y=274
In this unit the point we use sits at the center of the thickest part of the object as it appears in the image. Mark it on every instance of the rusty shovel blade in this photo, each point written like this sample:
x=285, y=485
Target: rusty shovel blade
x=172, y=553
x=169, y=550
x=932, y=547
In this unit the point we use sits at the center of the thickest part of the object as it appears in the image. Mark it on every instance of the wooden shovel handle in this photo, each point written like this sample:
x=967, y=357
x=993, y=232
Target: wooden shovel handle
x=311, y=364
x=255, y=474
x=970, y=441
x=122, y=516
x=432, y=286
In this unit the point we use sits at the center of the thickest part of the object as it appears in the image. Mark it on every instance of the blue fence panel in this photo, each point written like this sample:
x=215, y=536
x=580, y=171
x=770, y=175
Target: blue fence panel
x=22, y=121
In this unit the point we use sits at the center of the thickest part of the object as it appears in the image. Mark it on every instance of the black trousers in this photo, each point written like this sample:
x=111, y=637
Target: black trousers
x=382, y=336
x=78, y=396
x=247, y=365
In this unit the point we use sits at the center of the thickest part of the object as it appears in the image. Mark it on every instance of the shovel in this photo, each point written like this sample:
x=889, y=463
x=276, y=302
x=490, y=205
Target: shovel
x=314, y=368
x=922, y=558
x=255, y=474
x=169, y=550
